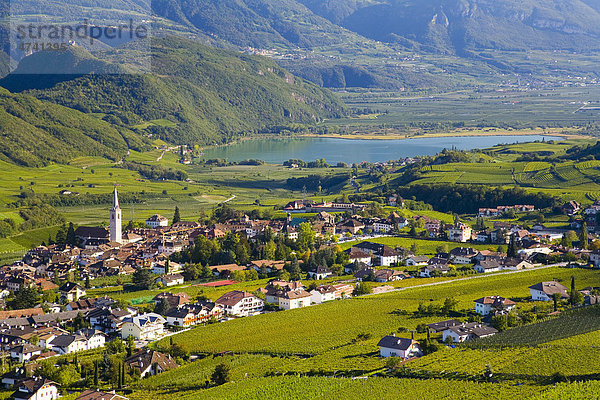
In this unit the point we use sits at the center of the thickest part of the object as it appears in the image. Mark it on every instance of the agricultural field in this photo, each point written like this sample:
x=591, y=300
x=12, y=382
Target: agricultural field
x=317, y=330
x=297, y=388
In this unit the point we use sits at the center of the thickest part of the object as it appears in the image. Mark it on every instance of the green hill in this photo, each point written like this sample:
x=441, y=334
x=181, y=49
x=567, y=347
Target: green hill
x=207, y=95
x=33, y=133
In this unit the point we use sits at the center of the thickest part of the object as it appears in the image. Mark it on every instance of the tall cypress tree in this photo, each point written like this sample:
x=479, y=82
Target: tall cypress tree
x=583, y=237
x=512, y=248
x=176, y=216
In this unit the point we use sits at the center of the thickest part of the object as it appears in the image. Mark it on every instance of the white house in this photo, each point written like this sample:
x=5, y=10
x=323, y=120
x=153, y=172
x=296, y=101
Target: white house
x=382, y=226
x=414, y=261
x=292, y=299
x=156, y=221
x=468, y=331
x=66, y=344
x=392, y=346
x=319, y=273
x=170, y=280
x=595, y=257
x=460, y=233
x=388, y=256
x=489, y=304
x=71, y=292
x=434, y=269
x=166, y=267
x=322, y=294
x=36, y=389
x=240, y=303
x=94, y=337
x=486, y=266
x=544, y=291
x=25, y=352
x=148, y=326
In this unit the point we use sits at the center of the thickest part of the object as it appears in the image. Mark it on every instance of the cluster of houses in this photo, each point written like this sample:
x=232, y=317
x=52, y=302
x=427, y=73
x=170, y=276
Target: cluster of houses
x=455, y=331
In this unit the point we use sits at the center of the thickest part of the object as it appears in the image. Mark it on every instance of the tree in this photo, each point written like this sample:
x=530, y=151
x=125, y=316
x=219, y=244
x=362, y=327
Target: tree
x=143, y=279
x=176, y=216
x=25, y=297
x=87, y=282
x=361, y=289
x=306, y=235
x=130, y=345
x=450, y=305
x=221, y=374
x=572, y=294
x=583, y=237
x=162, y=306
x=556, y=298
x=71, y=239
x=512, y=247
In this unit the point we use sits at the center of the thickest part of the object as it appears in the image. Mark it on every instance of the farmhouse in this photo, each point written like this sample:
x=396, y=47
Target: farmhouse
x=468, y=331
x=319, y=273
x=25, y=352
x=544, y=291
x=392, y=346
x=493, y=304
x=438, y=327
x=358, y=255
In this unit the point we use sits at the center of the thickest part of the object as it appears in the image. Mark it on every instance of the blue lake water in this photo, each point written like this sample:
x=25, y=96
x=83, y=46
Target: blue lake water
x=355, y=151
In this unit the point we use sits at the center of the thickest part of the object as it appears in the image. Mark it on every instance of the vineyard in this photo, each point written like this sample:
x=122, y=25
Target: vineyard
x=300, y=388
x=569, y=324
x=319, y=329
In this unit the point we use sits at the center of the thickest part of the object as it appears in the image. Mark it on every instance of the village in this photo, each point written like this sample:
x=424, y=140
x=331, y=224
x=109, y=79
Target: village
x=48, y=311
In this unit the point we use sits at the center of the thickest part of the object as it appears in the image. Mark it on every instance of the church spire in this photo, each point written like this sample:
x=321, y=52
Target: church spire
x=115, y=219
x=115, y=199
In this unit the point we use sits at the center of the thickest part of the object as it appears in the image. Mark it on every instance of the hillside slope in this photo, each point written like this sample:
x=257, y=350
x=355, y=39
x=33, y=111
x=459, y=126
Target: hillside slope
x=201, y=94
x=33, y=133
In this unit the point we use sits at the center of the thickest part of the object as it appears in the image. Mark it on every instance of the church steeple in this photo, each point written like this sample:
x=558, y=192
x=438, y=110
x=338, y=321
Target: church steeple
x=115, y=219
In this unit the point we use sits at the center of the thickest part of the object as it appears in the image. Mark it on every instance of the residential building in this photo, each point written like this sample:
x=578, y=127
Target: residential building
x=494, y=305
x=438, y=327
x=291, y=299
x=36, y=389
x=170, y=280
x=71, y=292
x=414, y=261
x=392, y=346
x=462, y=255
x=460, y=233
x=322, y=294
x=468, y=331
x=241, y=304
x=148, y=326
x=431, y=270
x=487, y=265
x=157, y=221
x=150, y=362
x=544, y=291
x=66, y=344
x=319, y=273
x=25, y=352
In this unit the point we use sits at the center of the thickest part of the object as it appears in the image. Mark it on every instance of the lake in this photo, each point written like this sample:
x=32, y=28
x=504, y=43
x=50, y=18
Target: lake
x=335, y=150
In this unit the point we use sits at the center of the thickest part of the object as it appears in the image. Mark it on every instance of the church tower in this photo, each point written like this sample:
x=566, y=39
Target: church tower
x=115, y=219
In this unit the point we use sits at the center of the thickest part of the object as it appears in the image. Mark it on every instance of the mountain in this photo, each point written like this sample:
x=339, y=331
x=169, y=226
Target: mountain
x=455, y=26
x=194, y=95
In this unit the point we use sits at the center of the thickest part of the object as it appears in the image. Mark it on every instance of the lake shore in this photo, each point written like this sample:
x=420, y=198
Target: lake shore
x=560, y=133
